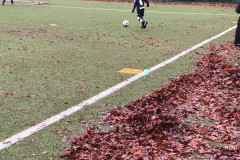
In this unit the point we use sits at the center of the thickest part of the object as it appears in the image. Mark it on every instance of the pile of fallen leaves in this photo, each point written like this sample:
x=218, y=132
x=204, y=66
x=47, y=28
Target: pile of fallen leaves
x=199, y=4
x=196, y=116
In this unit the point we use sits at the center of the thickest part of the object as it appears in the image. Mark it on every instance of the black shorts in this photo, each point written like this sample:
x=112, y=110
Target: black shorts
x=140, y=12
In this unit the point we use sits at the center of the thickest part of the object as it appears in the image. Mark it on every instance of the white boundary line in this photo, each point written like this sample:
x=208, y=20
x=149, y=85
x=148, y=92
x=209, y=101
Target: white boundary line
x=120, y=10
x=9, y=141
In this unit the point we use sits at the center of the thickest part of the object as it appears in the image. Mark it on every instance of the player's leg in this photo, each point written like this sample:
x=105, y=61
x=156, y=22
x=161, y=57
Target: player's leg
x=144, y=22
x=237, y=36
x=140, y=16
x=3, y=2
x=12, y=1
x=140, y=19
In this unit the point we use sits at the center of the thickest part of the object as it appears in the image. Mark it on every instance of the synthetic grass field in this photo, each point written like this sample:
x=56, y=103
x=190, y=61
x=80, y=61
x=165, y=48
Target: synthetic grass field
x=46, y=69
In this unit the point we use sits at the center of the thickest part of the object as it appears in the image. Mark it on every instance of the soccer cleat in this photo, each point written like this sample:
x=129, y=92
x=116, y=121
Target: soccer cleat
x=142, y=24
x=145, y=24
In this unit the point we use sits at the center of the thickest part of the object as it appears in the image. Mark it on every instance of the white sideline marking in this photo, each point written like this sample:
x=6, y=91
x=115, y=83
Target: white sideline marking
x=107, y=9
x=9, y=141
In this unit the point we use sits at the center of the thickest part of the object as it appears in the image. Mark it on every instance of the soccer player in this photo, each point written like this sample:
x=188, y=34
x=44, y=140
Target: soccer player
x=5, y=0
x=237, y=34
x=140, y=11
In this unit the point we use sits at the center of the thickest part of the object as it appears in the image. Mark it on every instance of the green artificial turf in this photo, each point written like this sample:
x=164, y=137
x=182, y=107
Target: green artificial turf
x=46, y=69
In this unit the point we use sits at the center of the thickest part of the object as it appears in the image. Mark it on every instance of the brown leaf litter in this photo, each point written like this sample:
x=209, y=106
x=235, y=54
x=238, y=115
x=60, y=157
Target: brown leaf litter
x=195, y=116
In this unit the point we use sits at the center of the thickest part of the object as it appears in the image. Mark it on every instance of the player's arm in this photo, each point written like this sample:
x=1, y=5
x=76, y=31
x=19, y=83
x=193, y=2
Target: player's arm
x=134, y=7
x=147, y=2
x=238, y=8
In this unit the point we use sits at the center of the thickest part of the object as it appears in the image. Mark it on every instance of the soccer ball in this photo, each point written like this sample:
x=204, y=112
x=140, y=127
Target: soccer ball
x=125, y=23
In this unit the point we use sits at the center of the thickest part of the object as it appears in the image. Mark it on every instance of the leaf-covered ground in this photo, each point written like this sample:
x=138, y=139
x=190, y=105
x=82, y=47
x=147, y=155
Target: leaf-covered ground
x=179, y=3
x=196, y=116
x=199, y=4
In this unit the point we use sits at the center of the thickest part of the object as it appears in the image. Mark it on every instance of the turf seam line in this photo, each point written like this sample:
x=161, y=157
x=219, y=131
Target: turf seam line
x=107, y=9
x=20, y=136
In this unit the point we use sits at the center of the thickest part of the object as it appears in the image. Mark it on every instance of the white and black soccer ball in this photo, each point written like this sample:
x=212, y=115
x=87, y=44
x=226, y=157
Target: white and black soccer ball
x=125, y=23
